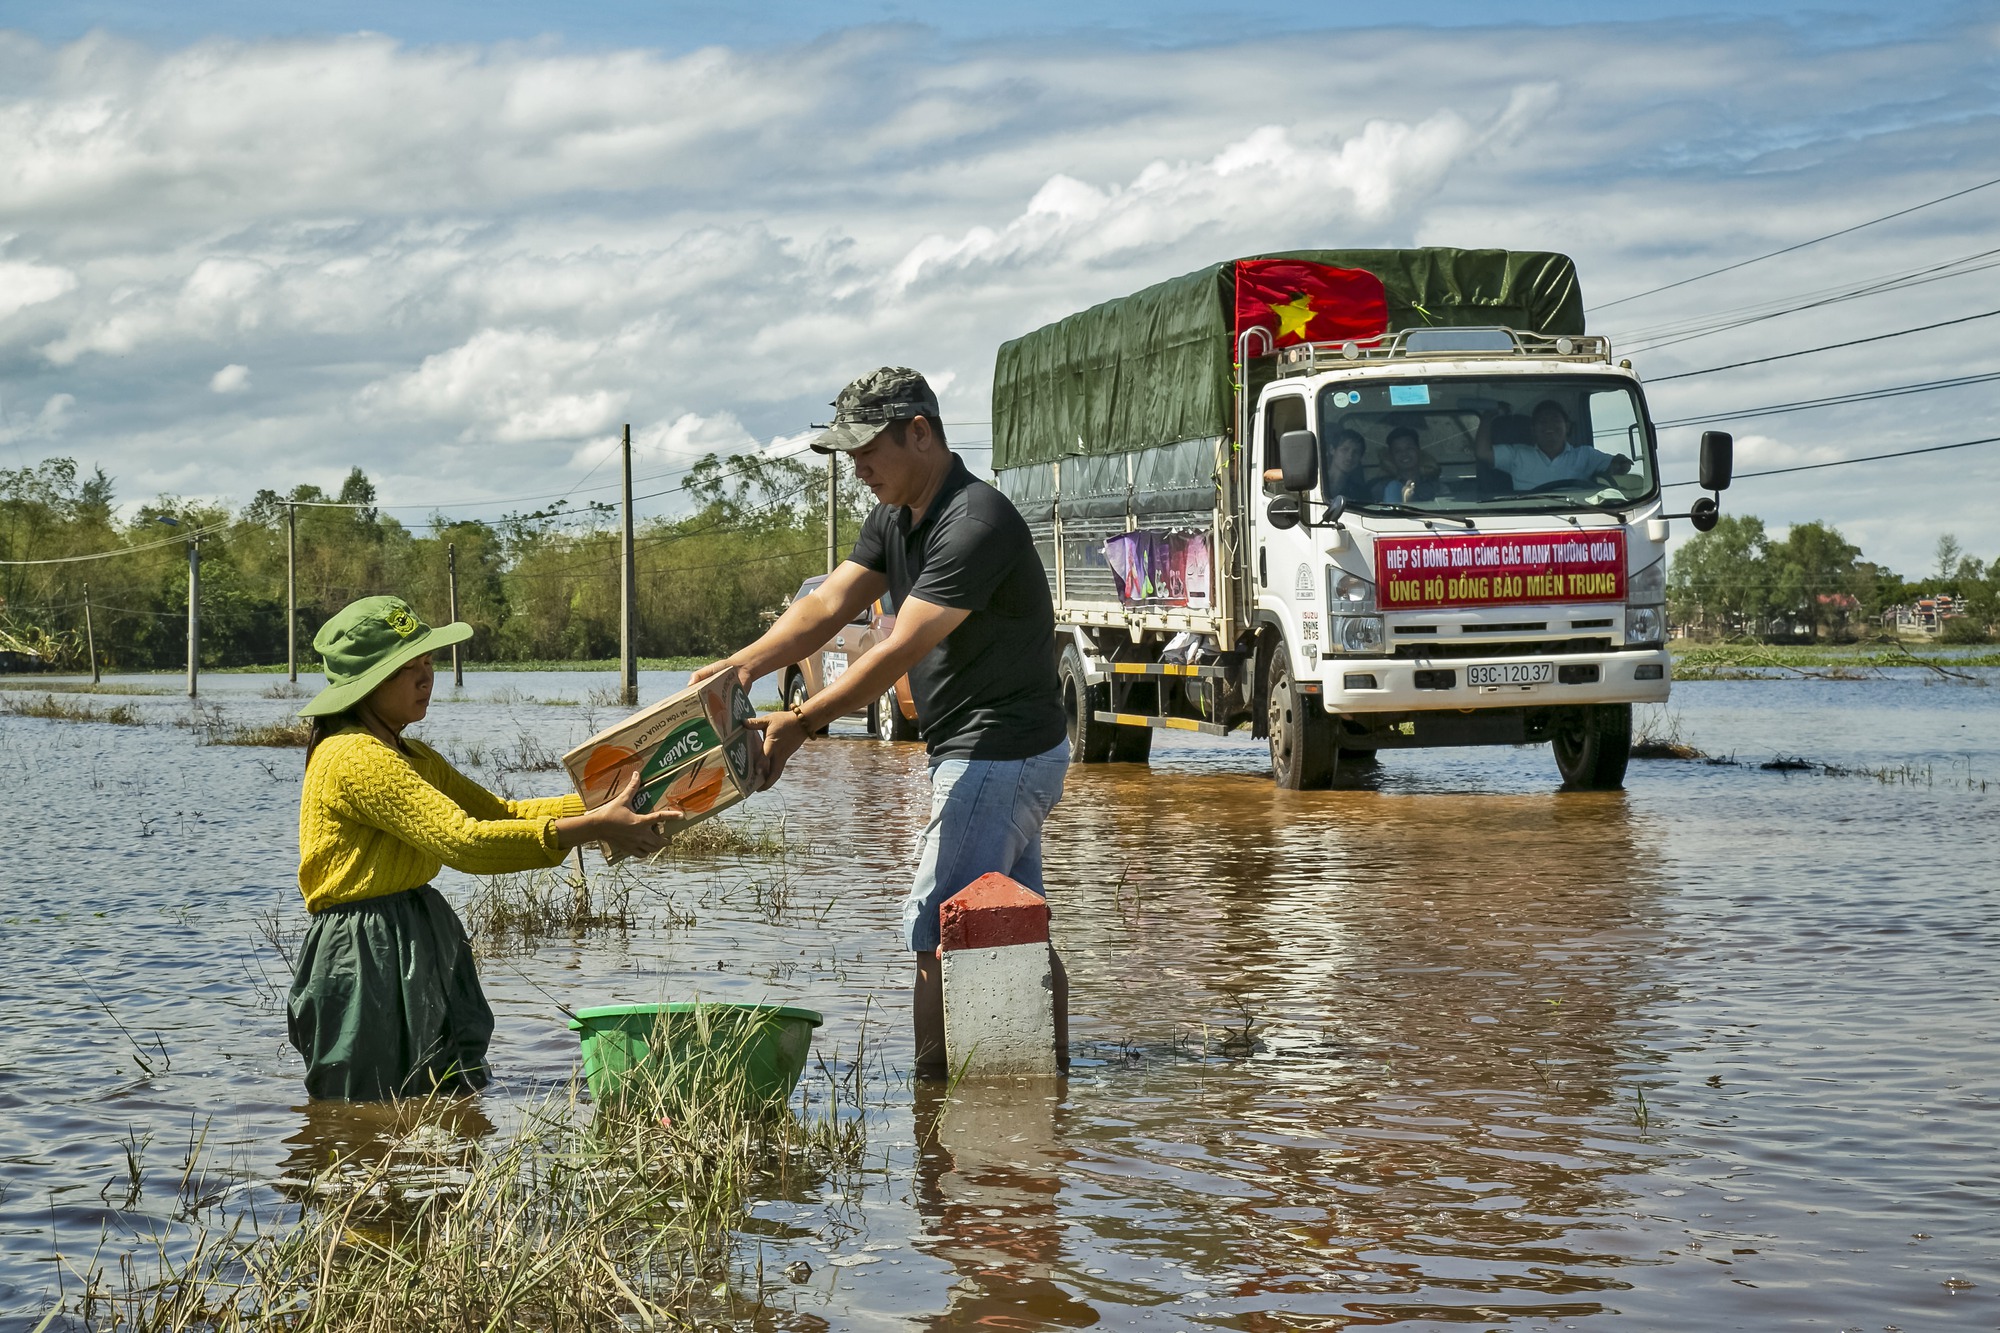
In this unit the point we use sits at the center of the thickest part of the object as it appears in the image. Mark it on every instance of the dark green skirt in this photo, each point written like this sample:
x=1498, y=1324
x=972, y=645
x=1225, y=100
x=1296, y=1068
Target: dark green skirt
x=386, y=1001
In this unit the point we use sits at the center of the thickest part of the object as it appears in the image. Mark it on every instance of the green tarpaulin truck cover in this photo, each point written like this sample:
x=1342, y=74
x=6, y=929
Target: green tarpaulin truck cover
x=1154, y=367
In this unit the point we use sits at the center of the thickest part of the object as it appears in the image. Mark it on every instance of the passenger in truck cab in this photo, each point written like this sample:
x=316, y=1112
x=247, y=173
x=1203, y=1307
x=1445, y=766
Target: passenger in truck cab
x=1344, y=472
x=1412, y=477
x=1551, y=456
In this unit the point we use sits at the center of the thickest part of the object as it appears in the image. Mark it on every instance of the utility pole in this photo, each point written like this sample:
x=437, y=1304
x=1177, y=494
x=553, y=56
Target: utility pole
x=291, y=592
x=832, y=510
x=194, y=613
x=89, y=635
x=451, y=582
x=628, y=607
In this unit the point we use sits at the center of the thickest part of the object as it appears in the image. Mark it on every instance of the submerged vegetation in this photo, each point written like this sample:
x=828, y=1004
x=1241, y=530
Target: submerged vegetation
x=50, y=708
x=1749, y=660
x=625, y=1215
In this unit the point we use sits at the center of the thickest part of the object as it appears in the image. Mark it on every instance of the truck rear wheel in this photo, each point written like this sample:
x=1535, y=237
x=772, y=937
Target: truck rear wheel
x=1592, y=744
x=1304, y=745
x=1089, y=740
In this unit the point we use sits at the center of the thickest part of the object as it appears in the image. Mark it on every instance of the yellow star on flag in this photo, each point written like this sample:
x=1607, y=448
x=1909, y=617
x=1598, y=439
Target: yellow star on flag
x=1293, y=316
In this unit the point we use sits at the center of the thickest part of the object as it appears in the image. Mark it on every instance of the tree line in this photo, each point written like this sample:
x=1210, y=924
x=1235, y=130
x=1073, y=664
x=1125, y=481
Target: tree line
x=1738, y=582
x=535, y=586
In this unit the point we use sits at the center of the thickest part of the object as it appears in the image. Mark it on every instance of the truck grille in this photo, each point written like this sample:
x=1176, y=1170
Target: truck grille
x=1505, y=648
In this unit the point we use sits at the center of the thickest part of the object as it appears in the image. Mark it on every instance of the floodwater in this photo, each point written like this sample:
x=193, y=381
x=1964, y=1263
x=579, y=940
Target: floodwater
x=1445, y=1049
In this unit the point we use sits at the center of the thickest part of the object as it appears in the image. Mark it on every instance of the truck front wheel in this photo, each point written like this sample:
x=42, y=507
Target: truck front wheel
x=1089, y=739
x=1304, y=745
x=1592, y=744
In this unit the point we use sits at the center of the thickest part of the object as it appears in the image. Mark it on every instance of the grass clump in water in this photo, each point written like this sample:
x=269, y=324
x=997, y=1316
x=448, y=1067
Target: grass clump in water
x=52, y=709
x=626, y=1215
x=75, y=687
x=512, y=912
x=1657, y=735
x=294, y=733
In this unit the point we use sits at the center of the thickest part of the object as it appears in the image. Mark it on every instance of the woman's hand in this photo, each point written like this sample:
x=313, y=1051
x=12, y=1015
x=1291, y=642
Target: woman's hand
x=618, y=824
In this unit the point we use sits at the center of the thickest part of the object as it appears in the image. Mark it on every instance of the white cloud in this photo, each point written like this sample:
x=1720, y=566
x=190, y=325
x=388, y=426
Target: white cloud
x=465, y=268
x=230, y=379
x=23, y=285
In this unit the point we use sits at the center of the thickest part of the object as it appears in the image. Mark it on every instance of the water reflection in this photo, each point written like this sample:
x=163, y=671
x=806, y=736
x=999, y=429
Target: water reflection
x=988, y=1186
x=1365, y=1045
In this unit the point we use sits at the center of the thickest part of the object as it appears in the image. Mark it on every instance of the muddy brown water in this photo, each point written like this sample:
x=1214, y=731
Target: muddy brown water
x=1443, y=1049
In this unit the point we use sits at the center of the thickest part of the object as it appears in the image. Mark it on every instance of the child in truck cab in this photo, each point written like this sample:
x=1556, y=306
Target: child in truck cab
x=1412, y=477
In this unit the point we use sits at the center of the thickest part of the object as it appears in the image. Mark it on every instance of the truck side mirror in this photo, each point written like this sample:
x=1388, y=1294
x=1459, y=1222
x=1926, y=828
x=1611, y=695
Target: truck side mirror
x=1718, y=459
x=1285, y=512
x=1298, y=459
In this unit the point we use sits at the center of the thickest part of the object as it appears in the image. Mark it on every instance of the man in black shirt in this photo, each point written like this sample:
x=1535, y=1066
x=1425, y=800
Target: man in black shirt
x=975, y=630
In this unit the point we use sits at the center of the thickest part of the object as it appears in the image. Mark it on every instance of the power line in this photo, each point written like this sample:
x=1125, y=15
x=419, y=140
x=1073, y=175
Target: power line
x=1829, y=347
x=1834, y=400
x=1667, y=335
x=1843, y=462
x=1844, y=231
x=174, y=540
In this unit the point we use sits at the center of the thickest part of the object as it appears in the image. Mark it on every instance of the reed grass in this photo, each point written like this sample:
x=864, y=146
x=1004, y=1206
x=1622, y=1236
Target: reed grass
x=510, y=913
x=1657, y=735
x=615, y=1216
x=52, y=709
x=75, y=687
x=295, y=732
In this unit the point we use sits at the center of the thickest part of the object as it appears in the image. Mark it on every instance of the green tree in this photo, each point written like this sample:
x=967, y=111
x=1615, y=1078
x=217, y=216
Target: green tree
x=1720, y=581
x=1817, y=582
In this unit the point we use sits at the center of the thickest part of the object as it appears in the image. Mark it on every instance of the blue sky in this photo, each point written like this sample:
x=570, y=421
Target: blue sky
x=459, y=245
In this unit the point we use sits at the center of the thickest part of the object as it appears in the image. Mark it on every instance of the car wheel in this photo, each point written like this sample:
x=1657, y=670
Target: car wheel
x=795, y=695
x=886, y=721
x=1592, y=744
x=1304, y=746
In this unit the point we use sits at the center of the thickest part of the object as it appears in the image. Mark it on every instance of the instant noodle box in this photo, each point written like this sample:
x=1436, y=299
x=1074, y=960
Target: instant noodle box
x=690, y=750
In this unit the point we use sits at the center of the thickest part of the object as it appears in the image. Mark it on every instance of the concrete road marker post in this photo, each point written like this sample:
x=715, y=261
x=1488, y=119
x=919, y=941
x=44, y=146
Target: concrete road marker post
x=999, y=988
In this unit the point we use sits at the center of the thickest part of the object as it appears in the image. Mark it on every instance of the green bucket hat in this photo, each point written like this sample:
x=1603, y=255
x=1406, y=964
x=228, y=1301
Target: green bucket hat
x=367, y=642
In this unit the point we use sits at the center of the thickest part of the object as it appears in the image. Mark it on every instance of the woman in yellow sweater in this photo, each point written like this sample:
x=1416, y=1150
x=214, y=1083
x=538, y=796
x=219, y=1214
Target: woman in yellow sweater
x=386, y=1001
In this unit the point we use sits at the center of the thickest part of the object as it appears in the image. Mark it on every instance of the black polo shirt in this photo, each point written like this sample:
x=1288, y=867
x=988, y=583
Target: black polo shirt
x=989, y=691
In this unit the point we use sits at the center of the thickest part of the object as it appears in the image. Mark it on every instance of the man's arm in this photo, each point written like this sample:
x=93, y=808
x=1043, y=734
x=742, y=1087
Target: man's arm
x=807, y=623
x=920, y=627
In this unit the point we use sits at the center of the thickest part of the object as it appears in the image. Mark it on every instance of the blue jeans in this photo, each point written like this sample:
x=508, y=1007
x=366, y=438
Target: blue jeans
x=986, y=815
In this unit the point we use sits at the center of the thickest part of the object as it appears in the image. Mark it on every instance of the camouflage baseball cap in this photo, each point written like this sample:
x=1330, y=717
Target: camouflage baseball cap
x=867, y=406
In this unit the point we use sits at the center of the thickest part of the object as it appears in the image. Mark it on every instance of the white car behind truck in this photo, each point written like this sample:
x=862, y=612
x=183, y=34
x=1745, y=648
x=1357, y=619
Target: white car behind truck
x=1218, y=561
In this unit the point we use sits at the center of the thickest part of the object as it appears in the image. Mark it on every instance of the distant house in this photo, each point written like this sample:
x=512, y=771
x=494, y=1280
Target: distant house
x=1925, y=616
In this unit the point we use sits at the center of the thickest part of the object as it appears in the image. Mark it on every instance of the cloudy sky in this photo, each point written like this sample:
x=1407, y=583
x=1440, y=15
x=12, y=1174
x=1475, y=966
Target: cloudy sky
x=241, y=248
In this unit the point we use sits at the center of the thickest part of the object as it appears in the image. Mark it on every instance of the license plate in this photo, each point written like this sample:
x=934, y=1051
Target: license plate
x=1512, y=673
x=830, y=667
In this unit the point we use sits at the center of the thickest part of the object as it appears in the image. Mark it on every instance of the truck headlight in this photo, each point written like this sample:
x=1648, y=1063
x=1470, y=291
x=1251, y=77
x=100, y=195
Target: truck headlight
x=1644, y=624
x=1348, y=594
x=1359, y=634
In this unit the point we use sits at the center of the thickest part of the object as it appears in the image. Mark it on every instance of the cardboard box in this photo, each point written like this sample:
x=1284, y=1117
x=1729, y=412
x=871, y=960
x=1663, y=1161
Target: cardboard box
x=690, y=749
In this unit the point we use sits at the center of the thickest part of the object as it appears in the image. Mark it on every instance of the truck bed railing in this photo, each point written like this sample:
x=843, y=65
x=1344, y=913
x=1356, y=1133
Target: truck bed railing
x=1443, y=344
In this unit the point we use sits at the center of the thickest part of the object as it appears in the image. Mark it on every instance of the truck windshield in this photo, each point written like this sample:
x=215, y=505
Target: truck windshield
x=1464, y=445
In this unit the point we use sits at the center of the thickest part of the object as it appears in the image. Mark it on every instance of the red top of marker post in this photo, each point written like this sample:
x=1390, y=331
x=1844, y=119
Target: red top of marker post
x=990, y=912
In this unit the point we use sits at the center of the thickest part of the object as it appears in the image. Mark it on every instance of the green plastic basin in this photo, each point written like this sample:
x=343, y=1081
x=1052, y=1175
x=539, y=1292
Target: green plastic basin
x=695, y=1050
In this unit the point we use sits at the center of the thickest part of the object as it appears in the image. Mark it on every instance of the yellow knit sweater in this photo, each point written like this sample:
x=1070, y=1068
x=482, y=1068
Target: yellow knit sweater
x=373, y=821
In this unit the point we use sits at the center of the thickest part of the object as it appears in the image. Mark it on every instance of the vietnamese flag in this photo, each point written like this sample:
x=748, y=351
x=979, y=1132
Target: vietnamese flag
x=1300, y=301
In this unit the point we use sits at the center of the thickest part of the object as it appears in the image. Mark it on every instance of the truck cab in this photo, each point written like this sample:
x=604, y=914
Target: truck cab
x=1456, y=539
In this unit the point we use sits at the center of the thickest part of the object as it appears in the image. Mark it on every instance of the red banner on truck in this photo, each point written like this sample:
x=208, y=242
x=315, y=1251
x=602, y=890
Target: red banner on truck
x=1506, y=569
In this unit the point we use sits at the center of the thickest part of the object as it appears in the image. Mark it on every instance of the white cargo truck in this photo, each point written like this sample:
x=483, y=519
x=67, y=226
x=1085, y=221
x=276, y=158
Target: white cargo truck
x=1414, y=504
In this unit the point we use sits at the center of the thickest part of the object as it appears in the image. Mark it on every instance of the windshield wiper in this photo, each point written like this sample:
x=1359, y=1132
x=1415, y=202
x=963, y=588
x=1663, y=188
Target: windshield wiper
x=1384, y=506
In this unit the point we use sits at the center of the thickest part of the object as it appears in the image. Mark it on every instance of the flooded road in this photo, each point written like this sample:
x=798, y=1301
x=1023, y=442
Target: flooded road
x=1444, y=1049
